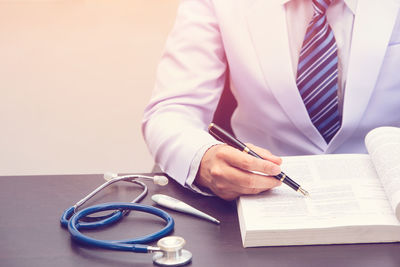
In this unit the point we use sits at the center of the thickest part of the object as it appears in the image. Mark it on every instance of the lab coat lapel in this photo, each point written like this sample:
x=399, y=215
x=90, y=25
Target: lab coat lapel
x=268, y=29
x=372, y=28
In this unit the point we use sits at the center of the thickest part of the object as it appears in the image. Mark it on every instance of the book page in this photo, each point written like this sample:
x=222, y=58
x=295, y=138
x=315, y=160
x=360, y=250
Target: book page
x=344, y=190
x=383, y=145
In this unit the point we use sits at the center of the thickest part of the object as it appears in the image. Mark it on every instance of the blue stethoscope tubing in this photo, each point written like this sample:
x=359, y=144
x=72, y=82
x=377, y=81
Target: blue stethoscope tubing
x=101, y=221
x=132, y=245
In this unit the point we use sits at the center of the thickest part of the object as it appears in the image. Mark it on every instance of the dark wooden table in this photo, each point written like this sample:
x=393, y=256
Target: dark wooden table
x=30, y=233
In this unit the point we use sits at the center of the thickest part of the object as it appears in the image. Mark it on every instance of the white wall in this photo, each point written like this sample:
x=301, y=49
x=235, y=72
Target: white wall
x=75, y=76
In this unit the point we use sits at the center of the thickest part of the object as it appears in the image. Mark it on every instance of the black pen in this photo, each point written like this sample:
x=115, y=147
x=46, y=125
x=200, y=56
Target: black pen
x=223, y=136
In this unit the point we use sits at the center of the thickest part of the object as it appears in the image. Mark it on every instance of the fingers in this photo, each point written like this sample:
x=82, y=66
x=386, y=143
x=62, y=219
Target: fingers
x=244, y=182
x=247, y=162
x=225, y=170
x=238, y=182
x=265, y=154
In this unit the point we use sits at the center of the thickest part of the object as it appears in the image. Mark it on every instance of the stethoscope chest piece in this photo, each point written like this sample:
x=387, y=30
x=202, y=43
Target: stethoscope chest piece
x=172, y=252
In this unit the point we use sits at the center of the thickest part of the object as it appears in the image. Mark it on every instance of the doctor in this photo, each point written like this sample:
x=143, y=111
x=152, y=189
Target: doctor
x=277, y=52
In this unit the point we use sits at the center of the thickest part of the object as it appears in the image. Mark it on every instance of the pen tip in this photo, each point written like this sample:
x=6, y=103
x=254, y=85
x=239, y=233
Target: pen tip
x=304, y=192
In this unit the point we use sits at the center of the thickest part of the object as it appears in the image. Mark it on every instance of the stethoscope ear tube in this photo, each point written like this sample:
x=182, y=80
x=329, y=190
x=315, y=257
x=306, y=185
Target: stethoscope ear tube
x=133, y=245
x=105, y=220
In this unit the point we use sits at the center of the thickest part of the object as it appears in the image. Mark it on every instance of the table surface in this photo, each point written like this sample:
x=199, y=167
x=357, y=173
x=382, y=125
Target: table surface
x=30, y=233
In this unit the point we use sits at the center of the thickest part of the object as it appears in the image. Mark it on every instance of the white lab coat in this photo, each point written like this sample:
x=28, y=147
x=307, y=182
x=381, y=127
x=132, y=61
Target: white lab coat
x=250, y=36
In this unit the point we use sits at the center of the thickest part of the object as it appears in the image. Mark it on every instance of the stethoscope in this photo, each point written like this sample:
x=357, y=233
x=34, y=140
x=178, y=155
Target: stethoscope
x=169, y=250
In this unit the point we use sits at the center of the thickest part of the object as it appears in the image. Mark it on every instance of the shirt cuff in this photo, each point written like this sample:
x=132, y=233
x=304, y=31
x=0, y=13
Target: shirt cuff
x=194, y=168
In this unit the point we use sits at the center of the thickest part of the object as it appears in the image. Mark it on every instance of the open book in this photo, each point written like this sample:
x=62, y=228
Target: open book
x=354, y=198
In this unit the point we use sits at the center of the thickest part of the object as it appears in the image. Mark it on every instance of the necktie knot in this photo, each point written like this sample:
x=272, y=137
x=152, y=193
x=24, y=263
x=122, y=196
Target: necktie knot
x=320, y=6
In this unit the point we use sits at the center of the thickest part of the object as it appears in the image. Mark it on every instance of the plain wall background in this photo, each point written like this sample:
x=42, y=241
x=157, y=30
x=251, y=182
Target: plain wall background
x=75, y=76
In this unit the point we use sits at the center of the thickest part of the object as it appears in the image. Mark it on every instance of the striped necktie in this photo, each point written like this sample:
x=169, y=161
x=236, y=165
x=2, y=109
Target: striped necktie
x=317, y=73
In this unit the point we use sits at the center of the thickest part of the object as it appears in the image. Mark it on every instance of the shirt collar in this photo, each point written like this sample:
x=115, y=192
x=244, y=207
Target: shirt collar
x=351, y=4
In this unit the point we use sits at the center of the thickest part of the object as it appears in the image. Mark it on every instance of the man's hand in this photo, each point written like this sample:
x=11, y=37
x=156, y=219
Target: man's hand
x=226, y=171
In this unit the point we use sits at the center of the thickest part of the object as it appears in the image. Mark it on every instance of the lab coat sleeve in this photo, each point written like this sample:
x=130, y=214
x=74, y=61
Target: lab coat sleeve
x=190, y=79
